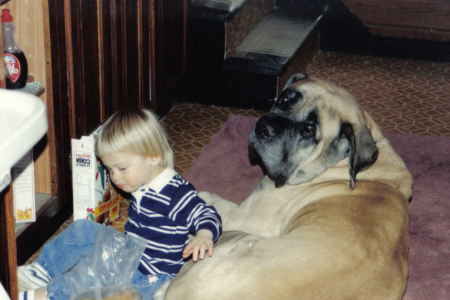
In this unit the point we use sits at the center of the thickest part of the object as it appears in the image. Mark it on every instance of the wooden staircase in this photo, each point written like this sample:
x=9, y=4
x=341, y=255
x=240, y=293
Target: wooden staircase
x=242, y=52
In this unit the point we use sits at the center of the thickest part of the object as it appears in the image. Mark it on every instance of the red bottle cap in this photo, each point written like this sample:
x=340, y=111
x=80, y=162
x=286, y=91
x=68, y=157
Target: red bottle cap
x=6, y=16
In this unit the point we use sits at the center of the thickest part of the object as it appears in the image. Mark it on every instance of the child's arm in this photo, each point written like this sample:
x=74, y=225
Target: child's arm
x=200, y=218
x=198, y=246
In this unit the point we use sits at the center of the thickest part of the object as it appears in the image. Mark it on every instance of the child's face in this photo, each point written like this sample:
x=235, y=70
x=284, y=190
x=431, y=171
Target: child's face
x=130, y=171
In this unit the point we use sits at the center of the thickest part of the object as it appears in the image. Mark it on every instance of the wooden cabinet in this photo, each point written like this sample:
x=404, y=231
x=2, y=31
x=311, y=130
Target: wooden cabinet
x=93, y=58
x=410, y=19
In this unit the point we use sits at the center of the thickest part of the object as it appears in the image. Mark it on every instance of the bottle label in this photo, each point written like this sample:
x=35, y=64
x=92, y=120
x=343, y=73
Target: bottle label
x=12, y=66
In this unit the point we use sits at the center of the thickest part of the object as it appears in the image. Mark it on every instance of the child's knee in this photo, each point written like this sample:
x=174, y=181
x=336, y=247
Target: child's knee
x=85, y=227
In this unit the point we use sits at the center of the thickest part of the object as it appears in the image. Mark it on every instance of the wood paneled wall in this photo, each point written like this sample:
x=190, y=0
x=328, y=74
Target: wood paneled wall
x=109, y=59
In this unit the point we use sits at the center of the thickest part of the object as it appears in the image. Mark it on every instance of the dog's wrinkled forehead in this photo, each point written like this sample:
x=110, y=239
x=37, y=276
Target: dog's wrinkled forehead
x=302, y=95
x=291, y=94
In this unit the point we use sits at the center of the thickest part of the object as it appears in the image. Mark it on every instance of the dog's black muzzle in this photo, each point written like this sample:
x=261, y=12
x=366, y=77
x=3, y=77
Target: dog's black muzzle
x=272, y=140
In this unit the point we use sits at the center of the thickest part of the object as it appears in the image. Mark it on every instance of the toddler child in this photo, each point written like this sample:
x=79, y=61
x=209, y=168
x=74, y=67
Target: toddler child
x=164, y=209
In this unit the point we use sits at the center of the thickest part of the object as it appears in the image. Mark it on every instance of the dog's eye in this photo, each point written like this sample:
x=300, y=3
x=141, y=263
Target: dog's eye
x=288, y=96
x=308, y=130
x=283, y=100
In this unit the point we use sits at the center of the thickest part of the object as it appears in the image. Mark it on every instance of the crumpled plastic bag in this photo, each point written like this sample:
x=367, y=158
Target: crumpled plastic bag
x=107, y=272
x=118, y=292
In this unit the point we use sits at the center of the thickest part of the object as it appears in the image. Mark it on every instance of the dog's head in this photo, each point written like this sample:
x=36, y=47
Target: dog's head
x=312, y=126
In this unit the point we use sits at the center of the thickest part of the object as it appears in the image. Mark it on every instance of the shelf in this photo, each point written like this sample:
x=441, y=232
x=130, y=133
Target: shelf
x=33, y=88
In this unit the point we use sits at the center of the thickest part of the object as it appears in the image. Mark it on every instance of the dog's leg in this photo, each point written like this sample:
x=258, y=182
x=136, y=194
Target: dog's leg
x=223, y=207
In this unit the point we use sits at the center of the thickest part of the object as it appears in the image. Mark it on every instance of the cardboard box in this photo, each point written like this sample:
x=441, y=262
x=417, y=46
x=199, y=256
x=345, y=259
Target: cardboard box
x=24, y=197
x=94, y=197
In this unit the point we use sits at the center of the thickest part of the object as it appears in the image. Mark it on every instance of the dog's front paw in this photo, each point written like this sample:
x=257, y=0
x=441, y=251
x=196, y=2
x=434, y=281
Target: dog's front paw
x=208, y=197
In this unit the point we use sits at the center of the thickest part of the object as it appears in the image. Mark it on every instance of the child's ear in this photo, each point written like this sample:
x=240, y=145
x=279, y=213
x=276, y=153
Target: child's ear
x=155, y=160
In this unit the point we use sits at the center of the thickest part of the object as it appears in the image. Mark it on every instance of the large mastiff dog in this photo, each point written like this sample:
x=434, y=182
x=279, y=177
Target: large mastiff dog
x=330, y=219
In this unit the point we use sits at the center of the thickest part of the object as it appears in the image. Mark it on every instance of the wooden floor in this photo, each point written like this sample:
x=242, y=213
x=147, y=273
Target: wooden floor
x=404, y=96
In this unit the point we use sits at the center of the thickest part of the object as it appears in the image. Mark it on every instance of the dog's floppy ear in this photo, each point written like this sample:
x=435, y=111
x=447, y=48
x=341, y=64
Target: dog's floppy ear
x=294, y=78
x=363, y=151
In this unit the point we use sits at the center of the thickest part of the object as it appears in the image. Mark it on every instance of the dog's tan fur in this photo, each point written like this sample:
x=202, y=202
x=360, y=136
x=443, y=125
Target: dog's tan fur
x=317, y=239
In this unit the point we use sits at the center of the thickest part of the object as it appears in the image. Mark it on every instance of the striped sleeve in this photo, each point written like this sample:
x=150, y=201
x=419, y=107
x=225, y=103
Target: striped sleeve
x=192, y=211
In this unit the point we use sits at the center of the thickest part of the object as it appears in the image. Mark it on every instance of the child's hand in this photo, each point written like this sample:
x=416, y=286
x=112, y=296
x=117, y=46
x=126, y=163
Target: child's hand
x=199, y=245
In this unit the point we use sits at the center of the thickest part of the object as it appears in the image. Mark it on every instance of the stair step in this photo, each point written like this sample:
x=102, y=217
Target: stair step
x=218, y=10
x=268, y=45
x=272, y=43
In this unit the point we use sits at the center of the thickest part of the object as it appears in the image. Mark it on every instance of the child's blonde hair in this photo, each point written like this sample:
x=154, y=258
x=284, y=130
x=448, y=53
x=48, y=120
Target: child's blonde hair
x=134, y=131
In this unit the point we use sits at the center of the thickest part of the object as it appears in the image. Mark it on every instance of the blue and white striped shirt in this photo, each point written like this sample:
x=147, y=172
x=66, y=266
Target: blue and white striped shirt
x=164, y=212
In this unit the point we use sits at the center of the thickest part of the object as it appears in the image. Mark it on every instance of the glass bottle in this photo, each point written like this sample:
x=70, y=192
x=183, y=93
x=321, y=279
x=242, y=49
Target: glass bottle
x=16, y=66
